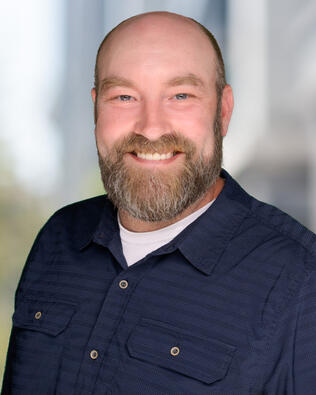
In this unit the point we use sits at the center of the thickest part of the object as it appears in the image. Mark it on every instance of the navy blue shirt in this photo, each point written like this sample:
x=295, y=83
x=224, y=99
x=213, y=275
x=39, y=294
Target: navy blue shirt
x=228, y=307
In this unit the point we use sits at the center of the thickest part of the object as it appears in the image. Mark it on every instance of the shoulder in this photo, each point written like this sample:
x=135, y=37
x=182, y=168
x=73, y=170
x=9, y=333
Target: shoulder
x=89, y=209
x=83, y=214
x=76, y=222
x=268, y=221
x=72, y=225
x=269, y=238
x=283, y=226
x=66, y=231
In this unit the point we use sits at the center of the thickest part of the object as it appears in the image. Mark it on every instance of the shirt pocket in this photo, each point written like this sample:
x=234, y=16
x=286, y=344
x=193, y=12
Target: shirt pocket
x=38, y=339
x=43, y=316
x=203, y=359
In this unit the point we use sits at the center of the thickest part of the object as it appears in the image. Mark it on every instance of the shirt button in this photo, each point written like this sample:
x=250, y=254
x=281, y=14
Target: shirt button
x=175, y=351
x=94, y=354
x=38, y=315
x=123, y=284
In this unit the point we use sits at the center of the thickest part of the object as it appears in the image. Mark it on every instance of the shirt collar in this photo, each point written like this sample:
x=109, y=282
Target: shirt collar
x=205, y=240
x=202, y=242
x=100, y=228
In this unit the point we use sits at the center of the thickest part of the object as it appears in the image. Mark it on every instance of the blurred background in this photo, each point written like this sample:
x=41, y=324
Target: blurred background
x=47, y=150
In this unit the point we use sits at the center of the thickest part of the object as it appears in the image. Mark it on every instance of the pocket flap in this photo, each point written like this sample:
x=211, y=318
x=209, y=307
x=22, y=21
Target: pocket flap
x=44, y=316
x=206, y=360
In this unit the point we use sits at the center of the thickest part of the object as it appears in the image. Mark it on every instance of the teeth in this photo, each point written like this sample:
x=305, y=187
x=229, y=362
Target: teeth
x=154, y=156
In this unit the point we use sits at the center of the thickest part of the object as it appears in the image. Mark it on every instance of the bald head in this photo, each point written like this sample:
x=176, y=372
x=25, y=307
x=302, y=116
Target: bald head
x=149, y=25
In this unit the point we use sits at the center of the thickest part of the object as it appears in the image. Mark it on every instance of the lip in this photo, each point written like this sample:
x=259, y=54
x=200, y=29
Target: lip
x=149, y=162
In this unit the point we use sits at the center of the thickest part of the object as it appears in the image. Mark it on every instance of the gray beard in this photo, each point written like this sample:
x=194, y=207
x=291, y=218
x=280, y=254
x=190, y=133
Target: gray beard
x=154, y=196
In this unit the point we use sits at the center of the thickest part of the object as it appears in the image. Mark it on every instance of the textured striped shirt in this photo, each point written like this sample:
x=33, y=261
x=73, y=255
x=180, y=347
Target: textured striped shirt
x=228, y=307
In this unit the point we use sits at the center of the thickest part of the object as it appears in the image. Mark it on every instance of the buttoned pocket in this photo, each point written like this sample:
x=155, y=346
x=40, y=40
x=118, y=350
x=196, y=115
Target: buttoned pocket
x=206, y=360
x=37, y=343
x=48, y=317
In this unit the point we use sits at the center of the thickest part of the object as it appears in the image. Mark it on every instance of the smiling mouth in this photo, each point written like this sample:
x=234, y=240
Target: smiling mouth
x=154, y=156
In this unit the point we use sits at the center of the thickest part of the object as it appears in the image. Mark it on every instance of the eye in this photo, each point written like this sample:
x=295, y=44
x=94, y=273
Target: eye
x=125, y=97
x=181, y=96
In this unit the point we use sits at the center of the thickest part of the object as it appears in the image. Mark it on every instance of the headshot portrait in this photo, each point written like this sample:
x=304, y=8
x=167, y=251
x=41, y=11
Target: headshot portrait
x=176, y=255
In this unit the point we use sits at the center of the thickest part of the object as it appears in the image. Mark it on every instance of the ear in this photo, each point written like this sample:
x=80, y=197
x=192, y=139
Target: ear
x=93, y=95
x=227, y=108
x=94, y=99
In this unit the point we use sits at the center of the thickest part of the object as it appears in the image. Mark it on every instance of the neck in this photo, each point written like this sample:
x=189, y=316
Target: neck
x=136, y=225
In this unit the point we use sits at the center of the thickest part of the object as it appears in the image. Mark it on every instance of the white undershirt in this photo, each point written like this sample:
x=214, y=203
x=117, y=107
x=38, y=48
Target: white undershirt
x=136, y=245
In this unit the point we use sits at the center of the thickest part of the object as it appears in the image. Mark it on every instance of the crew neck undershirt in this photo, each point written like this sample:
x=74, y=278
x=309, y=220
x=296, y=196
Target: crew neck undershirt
x=136, y=245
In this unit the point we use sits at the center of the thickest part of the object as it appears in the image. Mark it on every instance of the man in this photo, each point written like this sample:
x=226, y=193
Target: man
x=190, y=286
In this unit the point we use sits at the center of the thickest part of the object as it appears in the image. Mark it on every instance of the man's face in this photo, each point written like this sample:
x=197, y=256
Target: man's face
x=156, y=111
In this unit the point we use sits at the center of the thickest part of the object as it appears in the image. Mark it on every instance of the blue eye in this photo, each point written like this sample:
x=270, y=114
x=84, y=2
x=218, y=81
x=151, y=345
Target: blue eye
x=125, y=97
x=181, y=96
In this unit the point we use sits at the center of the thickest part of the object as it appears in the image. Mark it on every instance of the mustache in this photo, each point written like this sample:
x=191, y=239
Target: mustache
x=171, y=142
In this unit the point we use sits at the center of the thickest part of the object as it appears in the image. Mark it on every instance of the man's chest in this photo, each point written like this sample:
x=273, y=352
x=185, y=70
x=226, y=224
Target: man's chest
x=158, y=327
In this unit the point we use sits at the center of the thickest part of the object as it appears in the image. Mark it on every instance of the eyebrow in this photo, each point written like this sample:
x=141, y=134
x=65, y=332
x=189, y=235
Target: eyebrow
x=111, y=82
x=188, y=79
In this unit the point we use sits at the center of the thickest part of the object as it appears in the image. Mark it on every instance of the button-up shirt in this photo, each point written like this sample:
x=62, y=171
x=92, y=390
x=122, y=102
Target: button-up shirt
x=228, y=307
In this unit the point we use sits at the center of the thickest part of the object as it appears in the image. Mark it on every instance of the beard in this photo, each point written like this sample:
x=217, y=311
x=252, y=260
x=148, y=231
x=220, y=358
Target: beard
x=154, y=195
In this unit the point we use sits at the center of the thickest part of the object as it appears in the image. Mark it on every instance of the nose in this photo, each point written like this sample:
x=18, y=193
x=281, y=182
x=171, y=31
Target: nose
x=152, y=121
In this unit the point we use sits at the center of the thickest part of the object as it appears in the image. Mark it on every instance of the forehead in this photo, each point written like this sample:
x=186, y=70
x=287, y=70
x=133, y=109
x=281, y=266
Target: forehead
x=158, y=43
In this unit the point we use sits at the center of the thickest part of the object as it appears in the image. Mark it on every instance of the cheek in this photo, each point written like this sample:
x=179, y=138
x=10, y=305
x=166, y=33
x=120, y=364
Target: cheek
x=208, y=146
x=113, y=123
x=199, y=129
x=102, y=136
x=109, y=127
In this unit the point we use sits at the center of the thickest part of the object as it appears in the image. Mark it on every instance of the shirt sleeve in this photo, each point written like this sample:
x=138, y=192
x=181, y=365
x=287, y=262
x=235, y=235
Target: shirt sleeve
x=291, y=367
x=304, y=353
x=35, y=255
x=35, y=264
